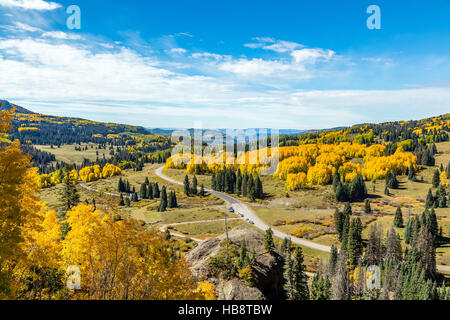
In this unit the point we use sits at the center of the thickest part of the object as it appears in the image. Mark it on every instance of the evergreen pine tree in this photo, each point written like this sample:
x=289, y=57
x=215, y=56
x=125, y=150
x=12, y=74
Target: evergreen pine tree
x=433, y=225
x=174, y=200
x=338, y=222
x=367, y=208
x=143, y=191
x=187, y=188
x=427, y=251
x=69, y=196
x=299, y=277
x=269, y=245
x=336, y=179
x=149, y=194
x=354, y=242
x=436, y=179
x=345, y=231
x=202, y=190
x=243, y=257
x=194, y=185
x=374, y=251
x=163, y=202
x=341, y=193
x=156, y=192
x=348, y=209
x=398, y=218
x=332, y=260
x=320, y=287
x=121, y=203
x=393, y=246
x=121, y=186
x=411, y=173
x=429, y=202
x=170, y=203
x=259, y=188
x=358, y=190
x=286, y=245
x=239, y=182
x=288, y=278
x=251, y=189
x=340, y=286
x=244, y=185
x=214, y=182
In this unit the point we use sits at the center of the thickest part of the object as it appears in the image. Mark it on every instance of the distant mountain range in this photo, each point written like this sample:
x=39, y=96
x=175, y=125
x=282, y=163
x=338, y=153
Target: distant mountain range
x=39, y=128
x=282, y=132
x=6, y=105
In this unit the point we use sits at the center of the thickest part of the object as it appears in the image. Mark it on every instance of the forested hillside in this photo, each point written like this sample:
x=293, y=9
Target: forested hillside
x=42, y=129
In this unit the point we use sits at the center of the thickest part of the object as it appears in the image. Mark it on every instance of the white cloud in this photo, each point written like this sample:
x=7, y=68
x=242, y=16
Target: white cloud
x=30, y=4
x=199, y=55
x=312, y=55
x=26, y=27
x=283, y=46
x=264, y=39
x=61, y=35
x=186, y=34
x=178, y=50
x=121, y=85
x=255, y=67
x=280, y=46
x=300, y=66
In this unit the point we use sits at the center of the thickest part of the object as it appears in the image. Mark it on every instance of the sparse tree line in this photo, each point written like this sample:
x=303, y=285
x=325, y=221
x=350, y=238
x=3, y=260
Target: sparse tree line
x=349, y=191
x=40, y=159
x=246, y=185
x=192, y=189
x=149, y=191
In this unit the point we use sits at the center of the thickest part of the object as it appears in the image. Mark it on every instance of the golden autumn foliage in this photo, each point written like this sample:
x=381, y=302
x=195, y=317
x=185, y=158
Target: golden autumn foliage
x=27, y=129
x=122, y=260
x=117, y=259
x=378, y=167
x=19, y=204
x=95, y=172
x=296, y=181
x=250, y=162
x=307, y=165
x=56, y=177
x=444, y=178
x=207, y=289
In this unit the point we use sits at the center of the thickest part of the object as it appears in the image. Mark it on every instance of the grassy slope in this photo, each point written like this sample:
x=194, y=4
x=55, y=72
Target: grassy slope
x=68, y=154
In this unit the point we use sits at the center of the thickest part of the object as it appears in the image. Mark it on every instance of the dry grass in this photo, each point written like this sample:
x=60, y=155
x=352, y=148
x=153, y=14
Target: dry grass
x=205, y=229
x=185, y=214
x=68, y=154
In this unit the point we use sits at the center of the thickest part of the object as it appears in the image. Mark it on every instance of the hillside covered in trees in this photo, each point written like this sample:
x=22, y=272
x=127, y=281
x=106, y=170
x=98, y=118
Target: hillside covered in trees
x=39, y=129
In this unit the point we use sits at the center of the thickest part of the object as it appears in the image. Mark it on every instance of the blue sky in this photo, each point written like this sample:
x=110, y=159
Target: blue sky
x=238, y=64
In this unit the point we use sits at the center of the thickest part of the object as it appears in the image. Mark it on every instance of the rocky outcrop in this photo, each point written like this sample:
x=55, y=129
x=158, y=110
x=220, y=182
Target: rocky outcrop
x=267, y=269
